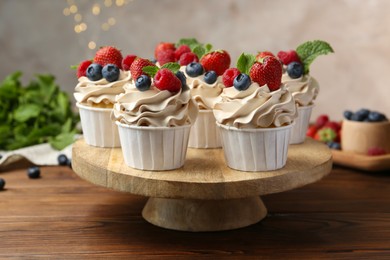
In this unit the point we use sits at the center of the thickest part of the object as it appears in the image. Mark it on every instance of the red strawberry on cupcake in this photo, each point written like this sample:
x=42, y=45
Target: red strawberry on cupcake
x=218, y=61
x=137, y=66
x=267, y=71
x=108, y=55
x=82, y=68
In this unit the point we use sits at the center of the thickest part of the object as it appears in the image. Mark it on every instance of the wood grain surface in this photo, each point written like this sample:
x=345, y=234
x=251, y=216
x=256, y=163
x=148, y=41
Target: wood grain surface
x=346, y=215
x=205, y=174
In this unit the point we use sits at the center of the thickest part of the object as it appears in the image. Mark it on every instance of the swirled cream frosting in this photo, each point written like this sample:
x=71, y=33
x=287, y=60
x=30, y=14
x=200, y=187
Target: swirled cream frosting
x=304, y=89
x=154, y=107
x=205, y=95
x=255, y=107
x=100, y=93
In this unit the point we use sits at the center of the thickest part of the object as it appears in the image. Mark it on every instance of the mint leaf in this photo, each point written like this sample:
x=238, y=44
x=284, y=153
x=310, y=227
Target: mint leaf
x=150, y=70
x=172, y=66
x=190, y=42
x=310, y=50
x=245, y=62
x=208, y=47
x=27, y=111
x=199, y=51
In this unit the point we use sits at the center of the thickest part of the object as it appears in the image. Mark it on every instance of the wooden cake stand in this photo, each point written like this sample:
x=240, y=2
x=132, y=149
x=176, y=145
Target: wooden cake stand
x=204, y=195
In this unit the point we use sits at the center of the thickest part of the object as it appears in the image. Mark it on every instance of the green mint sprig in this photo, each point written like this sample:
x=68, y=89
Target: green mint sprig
x=196, y=47
x=152, y=70
x=310, y=50
x=245, y=62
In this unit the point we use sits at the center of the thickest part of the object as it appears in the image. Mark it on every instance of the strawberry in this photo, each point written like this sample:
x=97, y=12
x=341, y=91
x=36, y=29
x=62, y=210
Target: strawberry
x=187, y=58
x=269, y=72
x=218, y=61
x=166, y=56
x=163, y=46
x=321, y=121
x=264, y=54
x=82, y=68
x=165, y=79
x=311, y=131
x=137, y=65
x=229, y=75
x=127, y=61
x=181, y=50
x=325, y=135
x=334, y=125
x=108, y=55
x=287, y=57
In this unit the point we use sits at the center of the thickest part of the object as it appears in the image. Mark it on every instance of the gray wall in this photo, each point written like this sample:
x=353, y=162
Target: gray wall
x=36, y=37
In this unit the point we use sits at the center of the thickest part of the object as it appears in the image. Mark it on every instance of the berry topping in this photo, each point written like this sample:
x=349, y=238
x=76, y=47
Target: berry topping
x=242, y=82
x=163, y=46
x=321, y=121
x=181, y=50
x=108, y=55
x=182, y=78
x=218, y=61
x=264, y=54
x=33, y=172
x=110, y=72
x=187, y=58
x=286, y=57
x=166, y=80
x=62, y=159
x=295, y=70
x=127, y=61
x=210, y=77
x=268, y=72
x=82, y=68
x=137, y=66
x=94, y=72
x=374, y=151
x=2, y=183
x=143, y=83
x=166, y=56
x=194, y=69
x=229, y=75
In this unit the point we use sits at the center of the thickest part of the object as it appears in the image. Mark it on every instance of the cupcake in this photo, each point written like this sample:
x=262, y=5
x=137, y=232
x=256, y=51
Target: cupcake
x=154, y=117
x=98, y=84
x=301, y=84
x=255, y=117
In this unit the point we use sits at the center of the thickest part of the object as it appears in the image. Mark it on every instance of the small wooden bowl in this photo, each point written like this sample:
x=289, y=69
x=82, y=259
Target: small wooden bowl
x=359, y=137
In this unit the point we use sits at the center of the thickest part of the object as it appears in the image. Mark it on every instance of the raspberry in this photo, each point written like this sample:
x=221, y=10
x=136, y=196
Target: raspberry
x=108, y=55
x=181, y=50
x=229, y=75
x=218, y=61
x=334, y=125
x=127, y=61
x=166, y=56
x=167, y=80
x=82, y=68
x=163, y=46
x=137, y=65
x=187, y=58
x=288, y=56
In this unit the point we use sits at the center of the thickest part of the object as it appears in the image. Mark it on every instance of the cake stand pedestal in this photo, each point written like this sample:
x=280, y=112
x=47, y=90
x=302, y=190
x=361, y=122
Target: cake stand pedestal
x=205, y=194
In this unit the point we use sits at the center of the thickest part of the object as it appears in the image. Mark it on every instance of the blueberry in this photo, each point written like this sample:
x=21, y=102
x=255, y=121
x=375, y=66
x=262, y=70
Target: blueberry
x=363, y=113
x=182, y=78
x=357, y=117
x=143, y=83
x=110, y=72
x=33, y=172
x=2, y=183
x=210, y=77
x=69, y=163
x=153, y=60
x=376, y=117
x=242, y=82
x=194, y=69
x=1, y=156
x=294, y=69
x=94, y=72
x=62, y=159
x=348, y=114
x=334, y=145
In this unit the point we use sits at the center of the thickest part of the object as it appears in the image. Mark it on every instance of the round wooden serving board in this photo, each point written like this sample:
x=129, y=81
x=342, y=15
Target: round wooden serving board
x=205, y=194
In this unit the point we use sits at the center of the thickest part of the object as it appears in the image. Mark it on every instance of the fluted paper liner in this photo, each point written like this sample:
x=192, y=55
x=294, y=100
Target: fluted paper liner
x=154, y=148
x=204, y=132
x=299, y=129
x=260, y=149
x=98, y=128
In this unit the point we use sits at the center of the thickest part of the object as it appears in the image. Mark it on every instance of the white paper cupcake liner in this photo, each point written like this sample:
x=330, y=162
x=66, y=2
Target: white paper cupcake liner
x=299, y=129
x=204, y=132
x=98, y=128
x=260, y=149
x=154, y=148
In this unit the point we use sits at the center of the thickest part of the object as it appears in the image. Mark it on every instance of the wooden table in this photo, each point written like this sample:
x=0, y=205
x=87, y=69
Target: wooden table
x=346, y=215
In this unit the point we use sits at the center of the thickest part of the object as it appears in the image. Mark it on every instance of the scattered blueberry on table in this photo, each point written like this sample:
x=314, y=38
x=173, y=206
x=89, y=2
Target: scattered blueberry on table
x=34, y=172
x=2, y=183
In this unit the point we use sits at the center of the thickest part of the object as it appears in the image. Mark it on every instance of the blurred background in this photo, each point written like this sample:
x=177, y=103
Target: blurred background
x=47, y=36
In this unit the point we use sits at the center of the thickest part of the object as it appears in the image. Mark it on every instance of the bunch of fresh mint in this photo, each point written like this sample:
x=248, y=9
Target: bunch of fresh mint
x=37, y=113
